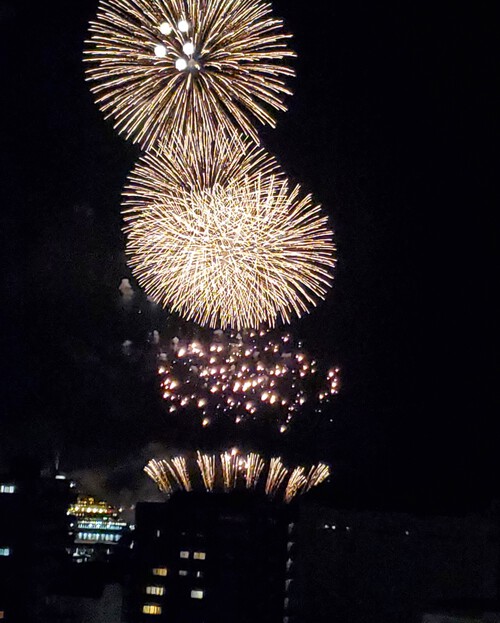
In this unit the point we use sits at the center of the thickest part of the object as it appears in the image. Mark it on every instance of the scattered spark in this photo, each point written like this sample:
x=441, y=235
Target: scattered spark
x=243, y=376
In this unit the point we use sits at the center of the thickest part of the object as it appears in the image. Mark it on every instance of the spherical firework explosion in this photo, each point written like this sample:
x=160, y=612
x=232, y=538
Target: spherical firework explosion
x=231, y=470
x=239, y=252
x=159, y=67
x=253, y=376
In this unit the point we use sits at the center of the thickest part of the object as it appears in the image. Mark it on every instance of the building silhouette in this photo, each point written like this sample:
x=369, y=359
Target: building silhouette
x=34, y=540
x=213, y=557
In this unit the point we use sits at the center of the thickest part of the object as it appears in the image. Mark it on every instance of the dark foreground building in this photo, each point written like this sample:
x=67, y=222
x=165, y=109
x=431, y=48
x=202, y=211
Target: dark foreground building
x=213, y=558
x=374, y=567
x=34, y=541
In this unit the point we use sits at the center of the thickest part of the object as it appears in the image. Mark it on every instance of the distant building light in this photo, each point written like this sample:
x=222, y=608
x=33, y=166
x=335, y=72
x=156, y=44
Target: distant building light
x=155, y=590
x=197, y=594
x=199, y=574
x=183, y=572
x=7, y=488
x=151, y=609
x=184, y=554
x=2, y=614
x=199, y=555
x=162, y=571
x=407, y=533
x=60, y=477
x=5, y=551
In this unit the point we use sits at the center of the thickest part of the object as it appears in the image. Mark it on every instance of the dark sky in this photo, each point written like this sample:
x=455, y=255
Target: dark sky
x=392, y=128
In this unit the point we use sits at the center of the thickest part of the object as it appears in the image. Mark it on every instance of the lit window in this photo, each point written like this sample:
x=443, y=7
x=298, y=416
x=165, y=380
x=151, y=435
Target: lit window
x=184, y=554
x=4, y=551
x=151, y=609
x=199, y=574
x=7, y=488
x=2, y=614
x=197, y=594
x=183, y=572
x=160, y=571
x=155, y=590
x=199, y=555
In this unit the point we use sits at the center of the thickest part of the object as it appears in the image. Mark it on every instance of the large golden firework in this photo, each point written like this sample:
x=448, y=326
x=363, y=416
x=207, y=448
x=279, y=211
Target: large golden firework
x=224, y=240
x=162, y=66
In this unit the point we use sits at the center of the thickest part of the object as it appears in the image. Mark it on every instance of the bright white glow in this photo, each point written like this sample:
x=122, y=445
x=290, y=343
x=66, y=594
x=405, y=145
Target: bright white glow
x=188, y=48
x=165, y=28
x=197, y=594
x=183, y=25
x=160, y=51
x=181, y=64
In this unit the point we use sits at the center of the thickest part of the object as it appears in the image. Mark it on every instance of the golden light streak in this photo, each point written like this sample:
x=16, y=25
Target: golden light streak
x=254, y=466
x=317, y=474
x=229, y=463
x=159, y=67
x=275, y=476
x=233, y=248
x=178, y=468
x=157, y=471
x=295, y=484
x=206, y=465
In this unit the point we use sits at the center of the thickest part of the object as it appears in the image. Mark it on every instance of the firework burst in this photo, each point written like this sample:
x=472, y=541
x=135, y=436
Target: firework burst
x=235, y=471
x=239, y=251
x=159, y=67
x=255, y=375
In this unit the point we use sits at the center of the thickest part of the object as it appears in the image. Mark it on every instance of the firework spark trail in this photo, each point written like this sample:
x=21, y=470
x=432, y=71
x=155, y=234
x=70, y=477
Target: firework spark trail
x=244, y=251
x=229, y=462
x=180, y=66
x=317, y=474
x=206, y=464
x=157, y=472
x=178, y=469
x=275, y=476
x=254, y=466
x=295, y=484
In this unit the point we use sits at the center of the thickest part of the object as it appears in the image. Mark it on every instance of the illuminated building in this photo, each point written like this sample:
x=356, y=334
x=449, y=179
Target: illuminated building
x=213, y=557
x=96, y=529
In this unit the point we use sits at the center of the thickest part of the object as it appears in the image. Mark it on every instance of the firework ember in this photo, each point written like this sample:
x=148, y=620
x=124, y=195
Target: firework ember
x=245, y=376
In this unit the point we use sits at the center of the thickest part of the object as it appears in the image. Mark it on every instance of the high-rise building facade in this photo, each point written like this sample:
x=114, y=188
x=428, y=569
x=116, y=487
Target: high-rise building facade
x=207, y=557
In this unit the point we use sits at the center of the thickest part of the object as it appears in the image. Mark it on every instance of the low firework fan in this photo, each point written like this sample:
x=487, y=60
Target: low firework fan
x=160, y=67
x=230, y=470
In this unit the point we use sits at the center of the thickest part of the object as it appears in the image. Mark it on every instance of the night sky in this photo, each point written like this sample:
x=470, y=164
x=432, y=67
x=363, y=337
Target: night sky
x=392, y=128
